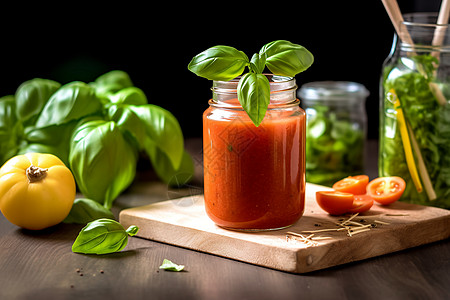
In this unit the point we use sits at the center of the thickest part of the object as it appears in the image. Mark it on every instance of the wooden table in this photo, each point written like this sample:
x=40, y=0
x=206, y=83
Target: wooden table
x=41, y=265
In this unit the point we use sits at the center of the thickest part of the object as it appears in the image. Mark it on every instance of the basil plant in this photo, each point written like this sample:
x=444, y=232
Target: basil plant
x=99, y=129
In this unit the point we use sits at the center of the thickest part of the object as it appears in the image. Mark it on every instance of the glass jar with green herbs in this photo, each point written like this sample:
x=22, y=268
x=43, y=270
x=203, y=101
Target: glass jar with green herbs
x=336, y=126
x=415, y=111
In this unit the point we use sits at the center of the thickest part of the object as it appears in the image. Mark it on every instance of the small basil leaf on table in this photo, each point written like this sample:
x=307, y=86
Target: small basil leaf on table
x=102, y=236
x=170, y=266
x=86, y=210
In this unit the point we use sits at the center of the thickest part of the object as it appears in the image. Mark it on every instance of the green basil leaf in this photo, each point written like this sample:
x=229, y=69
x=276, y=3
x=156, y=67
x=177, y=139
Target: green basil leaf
x=45, y=138
x=285, y=58
x=101, y=236
x=31, y=97
x=36, y=148
x=102, y=161
x=111, y=82
x=131, y=125
x=258, y=62
x=254, y=95
x=163, y=130
x=165, y=170
x=86, y=210
x=219, y=63
x=10, y=128
x=129, y=95
x=72, y=101
x=170, y=266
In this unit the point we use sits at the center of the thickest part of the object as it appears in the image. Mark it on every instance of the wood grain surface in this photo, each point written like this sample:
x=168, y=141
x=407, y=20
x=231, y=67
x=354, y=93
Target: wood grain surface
x=41, y=265
x=183, y=222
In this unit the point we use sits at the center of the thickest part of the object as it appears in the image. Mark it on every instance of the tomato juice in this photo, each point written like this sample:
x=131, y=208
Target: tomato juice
x=254, y=177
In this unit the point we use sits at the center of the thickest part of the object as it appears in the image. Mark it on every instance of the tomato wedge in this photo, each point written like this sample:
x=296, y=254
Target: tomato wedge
x=335, y=202
x=361, y=203
x=355, y=185
x=386, y=190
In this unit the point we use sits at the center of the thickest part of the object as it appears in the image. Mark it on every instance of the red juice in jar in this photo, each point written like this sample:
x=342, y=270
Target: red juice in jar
x=254, y=177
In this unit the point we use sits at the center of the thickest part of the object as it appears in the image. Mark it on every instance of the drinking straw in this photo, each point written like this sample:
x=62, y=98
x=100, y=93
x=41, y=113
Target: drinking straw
x=442, y=19
x=394, y=13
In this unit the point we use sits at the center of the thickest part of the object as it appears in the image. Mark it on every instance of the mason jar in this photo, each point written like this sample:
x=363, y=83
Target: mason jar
x=415, y=84
x=336, y=130
x=254, y=177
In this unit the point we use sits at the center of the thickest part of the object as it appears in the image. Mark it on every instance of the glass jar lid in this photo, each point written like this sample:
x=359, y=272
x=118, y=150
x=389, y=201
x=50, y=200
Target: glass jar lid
x=336, y=91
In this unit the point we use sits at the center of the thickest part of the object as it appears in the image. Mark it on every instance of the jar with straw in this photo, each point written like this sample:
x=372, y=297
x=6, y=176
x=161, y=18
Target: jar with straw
x=415, y=106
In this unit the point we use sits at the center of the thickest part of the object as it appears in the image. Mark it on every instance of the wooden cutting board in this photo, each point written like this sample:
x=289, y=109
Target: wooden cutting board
x=183, y=222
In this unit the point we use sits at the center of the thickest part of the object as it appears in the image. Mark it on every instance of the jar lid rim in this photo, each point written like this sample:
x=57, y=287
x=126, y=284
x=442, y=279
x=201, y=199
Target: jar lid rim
x=332, y=90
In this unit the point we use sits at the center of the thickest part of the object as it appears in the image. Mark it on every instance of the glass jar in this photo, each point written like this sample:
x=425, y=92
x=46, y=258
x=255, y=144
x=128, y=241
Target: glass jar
x=254, y=177
x=414, y=93
x=336, y=129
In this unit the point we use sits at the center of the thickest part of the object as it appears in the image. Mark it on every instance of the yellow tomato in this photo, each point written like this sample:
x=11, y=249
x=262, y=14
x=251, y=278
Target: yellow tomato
x=36, y=190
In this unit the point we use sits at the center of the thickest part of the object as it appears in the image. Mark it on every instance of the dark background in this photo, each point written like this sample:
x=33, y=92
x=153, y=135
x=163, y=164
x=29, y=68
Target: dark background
x=154, y=44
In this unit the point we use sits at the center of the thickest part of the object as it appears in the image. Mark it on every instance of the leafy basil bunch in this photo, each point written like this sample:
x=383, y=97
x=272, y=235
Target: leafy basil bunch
x=103, y=236
x=225, y=63
x=98, y=129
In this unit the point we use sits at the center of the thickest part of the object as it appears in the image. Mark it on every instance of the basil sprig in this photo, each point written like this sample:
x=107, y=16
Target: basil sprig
x=103, y=236
x=223, y=63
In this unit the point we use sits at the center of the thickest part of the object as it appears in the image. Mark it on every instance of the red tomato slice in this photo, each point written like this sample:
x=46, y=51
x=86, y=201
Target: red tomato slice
x=334, y=202
x=355, y=185
x=386, y=190
x=361, y=203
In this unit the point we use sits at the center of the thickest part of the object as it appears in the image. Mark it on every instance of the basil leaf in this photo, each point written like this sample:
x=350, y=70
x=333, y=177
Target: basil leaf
x=258, y=62
x=219, y=63
x=285, y=58
x=45, y=137
x=102, y=236
x=254, y=95
x=163, y=130
x=72, y=101
x=31, y=97
x=129, y=95
x=102, y=161
x=129, y=123
x=165, y=170
x=170, y=266
x=86, y=210
x=10, y=128
x=111, y=82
